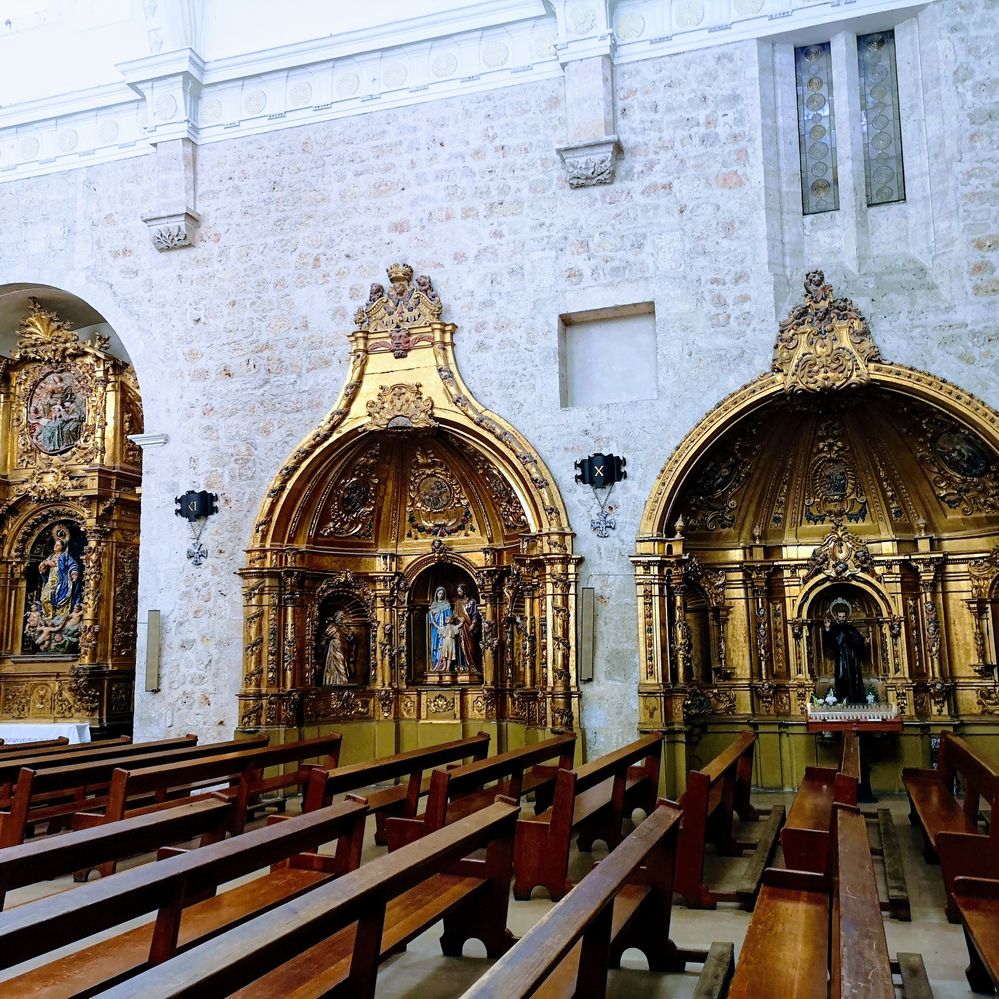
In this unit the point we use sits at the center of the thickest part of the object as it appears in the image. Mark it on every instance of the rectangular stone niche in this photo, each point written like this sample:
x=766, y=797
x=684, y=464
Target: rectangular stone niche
x=608, y=355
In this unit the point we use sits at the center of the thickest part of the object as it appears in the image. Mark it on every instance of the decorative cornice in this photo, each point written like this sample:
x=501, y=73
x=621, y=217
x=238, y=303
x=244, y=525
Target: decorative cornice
x=173, y=231
x=492, y=44
x=146, y=441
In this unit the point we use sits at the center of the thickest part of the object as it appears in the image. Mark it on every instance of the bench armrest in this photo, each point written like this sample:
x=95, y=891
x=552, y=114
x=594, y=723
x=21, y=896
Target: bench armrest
x=401, y=831
x=965, y=854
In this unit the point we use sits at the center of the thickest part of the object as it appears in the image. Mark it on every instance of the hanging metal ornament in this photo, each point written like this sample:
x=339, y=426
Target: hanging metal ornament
x=600, y=472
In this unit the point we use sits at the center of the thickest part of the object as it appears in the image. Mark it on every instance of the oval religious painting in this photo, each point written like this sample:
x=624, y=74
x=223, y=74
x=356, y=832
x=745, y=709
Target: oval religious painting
x=962, y=453
x=57, y=410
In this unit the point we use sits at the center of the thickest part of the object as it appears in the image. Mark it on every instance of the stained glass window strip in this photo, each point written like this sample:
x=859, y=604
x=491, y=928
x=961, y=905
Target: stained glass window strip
x=816, y=133
x=879, y=118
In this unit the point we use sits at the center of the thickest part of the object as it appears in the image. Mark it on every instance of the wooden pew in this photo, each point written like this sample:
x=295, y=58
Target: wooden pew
x=460, y=791
x=977, y=904
x=85, y=785
x=625, y=902
x=11, y=766
x=821, y=935
x=57, y=856
x=181, y=890
x=401, y=799
x=34, y=747
x=951, y=833
x=243, y=769
x=712, y=795
x=806, y=834
x=593, y=799
x=333, y=938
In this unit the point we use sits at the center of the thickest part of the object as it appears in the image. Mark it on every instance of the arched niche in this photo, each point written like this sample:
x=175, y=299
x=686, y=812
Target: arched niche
x=835, y=474
x=409, y=484
x=69, y=513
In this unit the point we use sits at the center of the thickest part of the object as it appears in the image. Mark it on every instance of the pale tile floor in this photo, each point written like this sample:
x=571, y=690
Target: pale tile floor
x=422, y=973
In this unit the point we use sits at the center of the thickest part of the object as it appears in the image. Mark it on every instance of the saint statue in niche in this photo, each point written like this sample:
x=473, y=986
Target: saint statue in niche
x=847, y=647
x=54, y=617
x=56, y=413
x=340, y=647
x=453, y=631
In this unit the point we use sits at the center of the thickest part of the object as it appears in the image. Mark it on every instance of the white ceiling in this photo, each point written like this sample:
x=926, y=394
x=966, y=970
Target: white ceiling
x=55, y=47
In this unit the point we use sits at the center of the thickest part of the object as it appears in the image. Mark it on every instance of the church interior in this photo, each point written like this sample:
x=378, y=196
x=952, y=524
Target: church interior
x=447, y=444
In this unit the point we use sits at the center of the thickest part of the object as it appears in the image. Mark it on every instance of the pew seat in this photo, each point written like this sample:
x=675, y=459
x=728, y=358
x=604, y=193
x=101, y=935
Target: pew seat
x=977, y=903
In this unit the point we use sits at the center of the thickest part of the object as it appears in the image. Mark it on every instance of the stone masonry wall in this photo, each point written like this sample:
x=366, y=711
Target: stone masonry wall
x=239, y=342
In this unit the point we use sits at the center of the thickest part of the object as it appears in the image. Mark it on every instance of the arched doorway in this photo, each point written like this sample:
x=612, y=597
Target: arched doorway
x=411, y=562
x=69, y=514
x=837, y=481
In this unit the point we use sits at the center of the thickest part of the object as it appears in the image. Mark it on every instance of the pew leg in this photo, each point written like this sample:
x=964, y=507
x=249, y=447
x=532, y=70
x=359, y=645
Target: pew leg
x=647, y=931
x=475, y=923
x=977, y=974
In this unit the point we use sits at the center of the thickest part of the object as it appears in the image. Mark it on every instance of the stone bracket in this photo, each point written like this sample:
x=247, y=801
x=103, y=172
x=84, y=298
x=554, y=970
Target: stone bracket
x=588, y=164
x=173, y=230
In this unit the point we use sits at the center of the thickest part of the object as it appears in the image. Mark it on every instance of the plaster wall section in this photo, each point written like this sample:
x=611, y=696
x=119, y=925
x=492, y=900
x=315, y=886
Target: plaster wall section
x=239, y=342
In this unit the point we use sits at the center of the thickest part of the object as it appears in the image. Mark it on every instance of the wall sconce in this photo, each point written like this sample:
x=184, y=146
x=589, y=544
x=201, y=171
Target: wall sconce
x=601, y=472
x=196, y=508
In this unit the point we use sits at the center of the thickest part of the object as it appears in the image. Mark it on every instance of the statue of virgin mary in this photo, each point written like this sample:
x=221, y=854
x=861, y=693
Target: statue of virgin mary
x=438, y=619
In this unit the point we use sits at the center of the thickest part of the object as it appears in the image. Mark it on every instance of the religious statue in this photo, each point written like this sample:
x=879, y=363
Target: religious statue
x=466, y=611
x=54, y=618
x=339, y=652
x=441, y=634
x=847, y=646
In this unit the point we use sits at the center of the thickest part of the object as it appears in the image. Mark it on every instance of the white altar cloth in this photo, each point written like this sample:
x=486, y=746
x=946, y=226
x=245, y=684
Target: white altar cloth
x=74, y=731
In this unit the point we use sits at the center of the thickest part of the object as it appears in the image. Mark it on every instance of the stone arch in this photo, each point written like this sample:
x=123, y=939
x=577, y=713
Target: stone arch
x=408, y=471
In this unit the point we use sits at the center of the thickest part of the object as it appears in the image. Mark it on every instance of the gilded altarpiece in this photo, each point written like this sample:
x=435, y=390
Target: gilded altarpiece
x=837, y=482
x=69, y=528
x=411, y=561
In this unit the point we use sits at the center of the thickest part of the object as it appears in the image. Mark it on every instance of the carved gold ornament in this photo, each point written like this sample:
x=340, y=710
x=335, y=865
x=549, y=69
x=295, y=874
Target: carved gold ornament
x=400, y=406
x=841, y=555
x=823, y=344
x=399, y=310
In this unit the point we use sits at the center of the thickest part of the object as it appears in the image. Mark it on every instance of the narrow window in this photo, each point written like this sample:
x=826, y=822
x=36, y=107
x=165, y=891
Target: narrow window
x=816, y=133
x=879, y=118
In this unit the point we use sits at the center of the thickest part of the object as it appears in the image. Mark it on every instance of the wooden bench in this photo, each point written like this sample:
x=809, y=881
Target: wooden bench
x=977, y=904
x=593, y=799
x=625, y=902
x=806, y=834
x=460, y=791
x=821, y=935
x=75, y=852
x=951, y=832
x=243, y=769
x=181, y=890
x=56, y=793
x=11, y=766
x=713, y=794
x=401, y=799
x=34, y=747
x=331, y=940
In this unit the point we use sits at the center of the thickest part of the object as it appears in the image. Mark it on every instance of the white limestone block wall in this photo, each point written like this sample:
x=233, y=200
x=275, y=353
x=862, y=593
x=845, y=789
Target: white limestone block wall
x=239, y=342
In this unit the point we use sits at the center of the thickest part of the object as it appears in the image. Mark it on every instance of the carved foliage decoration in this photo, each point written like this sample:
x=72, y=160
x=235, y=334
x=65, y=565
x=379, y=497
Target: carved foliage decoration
x=841, y=555
x=438, y=506
x=405, y=305
x=400, y=407
x=352, y=505
x=824, y=343
x=833, y=486
x=510, y=511
x=712, y=496
x=962, y=469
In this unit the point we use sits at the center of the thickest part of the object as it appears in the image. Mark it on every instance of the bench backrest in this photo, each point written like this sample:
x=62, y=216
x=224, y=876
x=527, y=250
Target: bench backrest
x=225, y=766
x=847, y=778
x=55, y=856
x=445, y=785
x=648, y=748
x=242, y=955
x=10, y=767
x=979, y=774
x=716, y=782
x=472, y=776
x=728, y=759
x=323, y=784
x=524, y=968
x=96, y=773
x=39, y=927
x=860, y=965
x=33, y=747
